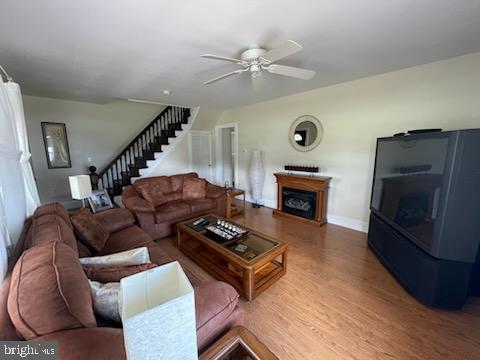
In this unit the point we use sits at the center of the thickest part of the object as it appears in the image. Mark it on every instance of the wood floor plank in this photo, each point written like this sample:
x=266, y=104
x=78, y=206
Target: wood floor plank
x=337, y=301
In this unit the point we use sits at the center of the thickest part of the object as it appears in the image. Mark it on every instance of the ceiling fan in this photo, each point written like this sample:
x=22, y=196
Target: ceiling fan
x=256, y=59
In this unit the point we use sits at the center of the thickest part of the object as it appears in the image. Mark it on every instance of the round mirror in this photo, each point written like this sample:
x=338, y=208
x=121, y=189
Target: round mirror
x=306, y=133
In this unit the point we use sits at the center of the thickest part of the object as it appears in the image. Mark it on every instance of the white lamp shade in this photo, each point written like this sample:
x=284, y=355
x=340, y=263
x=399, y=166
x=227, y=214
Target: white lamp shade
x=158, y=314
x=80, y=186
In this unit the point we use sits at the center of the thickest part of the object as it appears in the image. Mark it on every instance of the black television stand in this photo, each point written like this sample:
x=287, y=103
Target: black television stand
x=432, y=281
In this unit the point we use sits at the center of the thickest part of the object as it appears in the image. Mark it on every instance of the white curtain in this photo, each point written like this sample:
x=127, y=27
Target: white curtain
x=18, y=191
x=31, y=191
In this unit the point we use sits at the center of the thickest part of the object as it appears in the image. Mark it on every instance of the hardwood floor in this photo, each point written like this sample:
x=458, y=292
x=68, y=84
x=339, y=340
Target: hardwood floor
x=338, y=302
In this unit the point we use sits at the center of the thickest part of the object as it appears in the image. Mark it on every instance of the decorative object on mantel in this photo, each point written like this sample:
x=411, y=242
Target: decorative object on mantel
x=158, y=314
x=304, y=168
x=56, y=145
x=257, y=177
x=80, y=187
x=306, y=133
x=302, y=197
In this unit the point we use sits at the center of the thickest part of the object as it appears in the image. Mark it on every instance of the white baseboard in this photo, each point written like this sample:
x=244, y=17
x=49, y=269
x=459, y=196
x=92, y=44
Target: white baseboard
x=331, y=218
x=348, y=222
x=265, y=202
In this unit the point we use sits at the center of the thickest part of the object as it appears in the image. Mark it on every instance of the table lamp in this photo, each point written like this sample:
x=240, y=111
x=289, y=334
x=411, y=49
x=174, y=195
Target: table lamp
x=80, y=187
x=158, y=314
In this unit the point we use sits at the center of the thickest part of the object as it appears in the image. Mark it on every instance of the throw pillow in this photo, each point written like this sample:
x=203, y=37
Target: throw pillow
x=49, y=292
x=115, y=273
x=194, y=188
x=130, y=257
x=106, y=300
x=89, y=229
x=152, y=191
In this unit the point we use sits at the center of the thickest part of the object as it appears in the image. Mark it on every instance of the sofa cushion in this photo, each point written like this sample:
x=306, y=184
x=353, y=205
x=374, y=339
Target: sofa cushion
x=49, y=292
x=7, y=329
x=153, y=188
x=126, y=239
x=152, y=192
x=177, y=180
x=171, y=211
x=214, y=302
x=83, y=250
x=89, y=230
x=53, y=208
x=114, y=220
x=194, y=188
x=115, y=273
x=50, y=228
x=201, y=205
x=174, y=196
x=102, y=343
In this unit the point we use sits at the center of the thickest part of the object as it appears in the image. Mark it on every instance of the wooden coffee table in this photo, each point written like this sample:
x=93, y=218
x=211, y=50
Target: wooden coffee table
x=250, y=272
x=238, y=344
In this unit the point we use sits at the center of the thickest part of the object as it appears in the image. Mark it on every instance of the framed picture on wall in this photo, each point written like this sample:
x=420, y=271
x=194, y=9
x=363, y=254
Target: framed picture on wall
x=99, y=201
x=56, y=145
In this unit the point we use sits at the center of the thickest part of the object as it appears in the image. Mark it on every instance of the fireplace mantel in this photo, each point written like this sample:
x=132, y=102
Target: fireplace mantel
x=316, y=184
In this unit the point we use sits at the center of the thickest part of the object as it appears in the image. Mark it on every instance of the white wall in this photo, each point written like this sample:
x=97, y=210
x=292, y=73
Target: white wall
x=444, y=94
x=94, y=131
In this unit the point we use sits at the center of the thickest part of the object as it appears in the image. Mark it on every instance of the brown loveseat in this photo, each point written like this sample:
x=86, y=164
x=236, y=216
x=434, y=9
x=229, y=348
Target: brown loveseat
x=49, y=297
x=160, y=202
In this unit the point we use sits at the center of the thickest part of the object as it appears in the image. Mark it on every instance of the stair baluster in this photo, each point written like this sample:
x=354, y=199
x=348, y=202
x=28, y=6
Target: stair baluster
x=134, y=156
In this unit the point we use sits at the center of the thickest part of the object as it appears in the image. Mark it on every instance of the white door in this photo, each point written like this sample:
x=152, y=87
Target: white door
x=226, y=163
x=200, y=148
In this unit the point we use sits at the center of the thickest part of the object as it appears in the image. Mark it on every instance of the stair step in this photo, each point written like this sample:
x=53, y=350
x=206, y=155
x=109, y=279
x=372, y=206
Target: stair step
x=155, y=146
x=175, y=126
x=133, y=171
x=161, y=140
x=149, y=155
x=140, y=163
x=168, y=133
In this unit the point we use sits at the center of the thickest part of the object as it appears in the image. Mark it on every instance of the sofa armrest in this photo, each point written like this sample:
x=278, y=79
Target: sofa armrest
x=214, y=191
x=137, y=204
x=114, y=220
x=101, y=343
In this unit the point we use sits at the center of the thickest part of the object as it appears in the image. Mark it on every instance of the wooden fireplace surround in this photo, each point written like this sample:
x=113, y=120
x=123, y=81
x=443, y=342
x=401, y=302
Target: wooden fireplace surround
x=317, y=184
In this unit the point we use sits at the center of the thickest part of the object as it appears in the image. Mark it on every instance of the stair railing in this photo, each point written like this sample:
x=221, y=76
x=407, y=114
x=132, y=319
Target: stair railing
x=121, y=169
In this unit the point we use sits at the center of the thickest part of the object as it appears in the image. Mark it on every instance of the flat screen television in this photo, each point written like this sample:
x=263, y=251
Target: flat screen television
x=426, y=186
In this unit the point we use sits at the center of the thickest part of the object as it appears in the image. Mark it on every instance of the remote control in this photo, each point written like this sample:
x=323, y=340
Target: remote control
x=241, y=248
x=199, y=222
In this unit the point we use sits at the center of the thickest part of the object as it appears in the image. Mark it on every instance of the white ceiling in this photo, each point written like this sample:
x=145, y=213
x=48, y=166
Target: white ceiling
x=96, y=50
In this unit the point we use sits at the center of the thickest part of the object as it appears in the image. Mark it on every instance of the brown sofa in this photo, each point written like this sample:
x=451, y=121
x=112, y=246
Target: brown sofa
x=160, y=202
x=49, y=298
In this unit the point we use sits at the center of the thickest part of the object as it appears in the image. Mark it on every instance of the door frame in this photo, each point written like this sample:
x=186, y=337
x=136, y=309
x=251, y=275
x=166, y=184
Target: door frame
x=219, y=155
x=190, y=154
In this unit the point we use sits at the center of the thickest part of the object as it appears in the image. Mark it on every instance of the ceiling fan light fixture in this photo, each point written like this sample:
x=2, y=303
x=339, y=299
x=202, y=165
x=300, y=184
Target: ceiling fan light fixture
x=255, y=59
x=256, y=74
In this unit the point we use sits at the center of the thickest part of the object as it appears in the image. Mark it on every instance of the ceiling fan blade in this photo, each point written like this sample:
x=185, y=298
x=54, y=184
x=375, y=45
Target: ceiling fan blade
x=291, y=71
x=289, y=48
x=223, y=58
x=224, y=76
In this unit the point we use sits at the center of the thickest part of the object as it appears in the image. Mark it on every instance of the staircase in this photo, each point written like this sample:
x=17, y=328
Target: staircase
x=120, y=171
